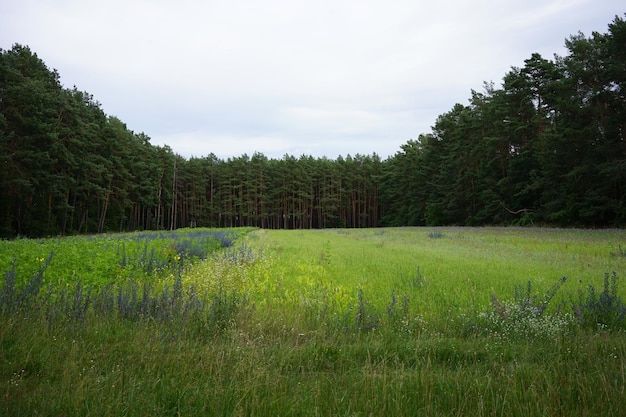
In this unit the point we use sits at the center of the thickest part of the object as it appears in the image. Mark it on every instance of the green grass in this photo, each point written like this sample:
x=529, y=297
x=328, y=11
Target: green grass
x=304, y=323
x=448, y=275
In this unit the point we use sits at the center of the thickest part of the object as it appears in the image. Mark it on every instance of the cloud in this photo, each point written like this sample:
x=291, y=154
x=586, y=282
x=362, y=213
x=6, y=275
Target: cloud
x=325, y=77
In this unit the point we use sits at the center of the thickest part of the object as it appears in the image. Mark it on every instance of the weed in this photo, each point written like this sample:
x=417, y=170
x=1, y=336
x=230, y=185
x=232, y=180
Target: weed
x=149, y=262
x=436, y=235
x=14, y=299
x=135, y=299
x=325, y=255
x=620, y=252
x=366, y=317
x=227, y=239
x=104, y=300
x=242, y=255
x=223, y=308
x=523, y=317
x=8, y=300
x=414, y=281
x=81, y=300
x=162, y=250
x=530, y=304
x=604, y=310
x=399, y=315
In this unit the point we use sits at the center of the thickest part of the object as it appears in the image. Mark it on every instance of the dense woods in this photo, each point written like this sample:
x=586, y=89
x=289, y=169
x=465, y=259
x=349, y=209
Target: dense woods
x=547, y=146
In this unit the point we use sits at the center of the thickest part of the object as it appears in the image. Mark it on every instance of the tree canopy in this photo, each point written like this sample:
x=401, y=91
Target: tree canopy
x=545, y=147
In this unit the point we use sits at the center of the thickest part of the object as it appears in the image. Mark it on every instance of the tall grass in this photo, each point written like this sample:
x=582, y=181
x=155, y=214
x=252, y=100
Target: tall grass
x=384, y=322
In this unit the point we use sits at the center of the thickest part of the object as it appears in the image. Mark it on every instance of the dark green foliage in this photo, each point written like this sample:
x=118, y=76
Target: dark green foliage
x=547, y=147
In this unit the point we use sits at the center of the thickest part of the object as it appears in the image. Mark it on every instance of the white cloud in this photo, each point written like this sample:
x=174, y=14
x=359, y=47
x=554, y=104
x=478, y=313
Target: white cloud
x=325, y=77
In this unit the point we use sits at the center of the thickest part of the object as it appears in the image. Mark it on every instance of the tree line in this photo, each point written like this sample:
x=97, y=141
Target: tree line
x=545, y=147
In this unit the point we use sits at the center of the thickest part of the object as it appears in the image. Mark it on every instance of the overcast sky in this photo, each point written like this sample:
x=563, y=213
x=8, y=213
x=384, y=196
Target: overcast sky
x=318, y=77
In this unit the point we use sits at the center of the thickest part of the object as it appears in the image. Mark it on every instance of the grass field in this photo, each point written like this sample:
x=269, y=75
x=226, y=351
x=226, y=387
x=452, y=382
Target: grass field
x=408, y=321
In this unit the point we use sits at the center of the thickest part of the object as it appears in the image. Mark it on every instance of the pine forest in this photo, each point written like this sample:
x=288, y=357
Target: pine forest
x=546, y=146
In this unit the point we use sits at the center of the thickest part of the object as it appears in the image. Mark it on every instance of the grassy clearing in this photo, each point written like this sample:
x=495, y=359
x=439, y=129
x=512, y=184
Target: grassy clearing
x=339, y=322
x=450, y=274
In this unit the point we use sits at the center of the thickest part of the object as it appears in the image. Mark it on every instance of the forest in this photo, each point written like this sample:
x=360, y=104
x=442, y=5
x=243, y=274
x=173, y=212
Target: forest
x=545, y=147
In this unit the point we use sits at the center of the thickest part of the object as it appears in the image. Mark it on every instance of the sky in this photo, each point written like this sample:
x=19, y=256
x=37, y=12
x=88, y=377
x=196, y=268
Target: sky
x=324, y=78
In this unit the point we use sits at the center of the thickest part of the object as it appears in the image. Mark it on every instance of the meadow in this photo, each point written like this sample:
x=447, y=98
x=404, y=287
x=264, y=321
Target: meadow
x=338, y=322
